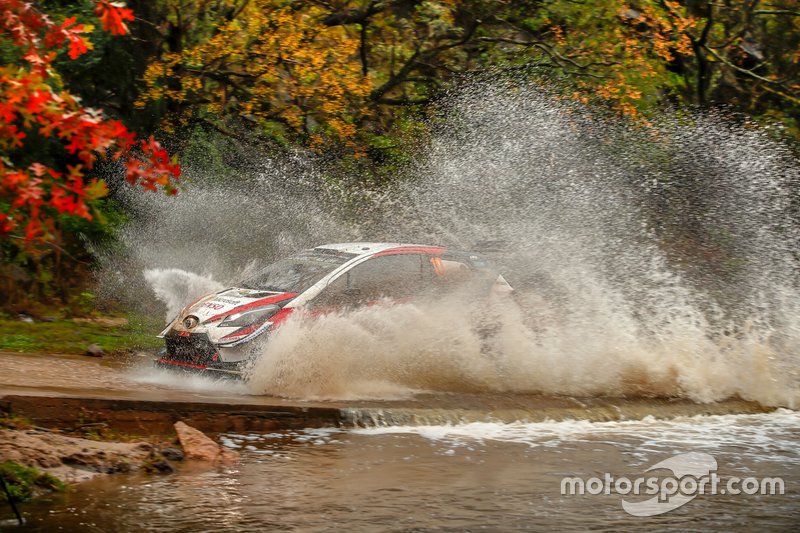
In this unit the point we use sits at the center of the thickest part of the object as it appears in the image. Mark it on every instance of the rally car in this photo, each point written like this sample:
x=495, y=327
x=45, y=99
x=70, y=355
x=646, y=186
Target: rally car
x=216, y=332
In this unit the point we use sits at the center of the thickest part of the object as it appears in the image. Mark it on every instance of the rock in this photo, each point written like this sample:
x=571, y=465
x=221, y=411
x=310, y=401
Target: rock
x=172, y=454
x=26, y=319
x=156, y=462
x=228, y=457
x=94, y=350
x=122, y=465
x=197, y=445
x=164, y=466
x=71, y=459
x=85, y=460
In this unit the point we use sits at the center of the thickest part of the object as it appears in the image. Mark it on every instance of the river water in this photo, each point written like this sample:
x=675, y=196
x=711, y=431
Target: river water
x=482, y=476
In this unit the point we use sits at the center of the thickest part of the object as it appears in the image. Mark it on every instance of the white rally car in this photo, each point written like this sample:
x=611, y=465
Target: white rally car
x=215, y=333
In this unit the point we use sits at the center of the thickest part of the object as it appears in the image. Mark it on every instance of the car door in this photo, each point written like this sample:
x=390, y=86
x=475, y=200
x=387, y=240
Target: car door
x=397, y=277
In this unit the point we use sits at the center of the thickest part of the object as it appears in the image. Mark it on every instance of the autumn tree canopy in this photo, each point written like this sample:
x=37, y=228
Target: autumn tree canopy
x=326, y=71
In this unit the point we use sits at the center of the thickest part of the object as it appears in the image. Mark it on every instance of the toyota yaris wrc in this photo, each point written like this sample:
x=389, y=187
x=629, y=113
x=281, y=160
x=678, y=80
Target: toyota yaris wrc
x=216, y=332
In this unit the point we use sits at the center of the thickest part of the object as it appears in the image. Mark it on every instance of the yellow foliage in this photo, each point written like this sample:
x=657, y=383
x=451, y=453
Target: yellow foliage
x=272, y=62
x=631, y=46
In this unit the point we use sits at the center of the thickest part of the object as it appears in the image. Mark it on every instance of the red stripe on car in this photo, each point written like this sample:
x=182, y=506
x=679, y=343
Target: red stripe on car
x=275, y=319
x=180, y=363
x=429, y=250
x=258, y=303
x=281, y=316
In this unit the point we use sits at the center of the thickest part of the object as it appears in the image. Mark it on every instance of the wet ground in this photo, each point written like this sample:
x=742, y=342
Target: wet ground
x=117, y=377
x=133, y=378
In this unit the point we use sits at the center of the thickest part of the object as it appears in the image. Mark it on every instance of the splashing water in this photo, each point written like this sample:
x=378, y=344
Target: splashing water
x=396, y=351
x=176, y=288
x=656, y=260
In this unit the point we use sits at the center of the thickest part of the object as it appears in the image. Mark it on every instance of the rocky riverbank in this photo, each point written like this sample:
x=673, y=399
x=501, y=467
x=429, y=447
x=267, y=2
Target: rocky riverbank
x=75, y=459
x=35, y=460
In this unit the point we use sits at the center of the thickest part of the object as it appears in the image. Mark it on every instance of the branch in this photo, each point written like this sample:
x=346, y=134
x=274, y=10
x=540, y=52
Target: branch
x=547, y=49
x=355, y=16
x=362, y=49
x=223, y=77
x=221, y=129
x=737, y=68
x=779, y=93
x=777, y=12
x=52, y=245
x=395, y=79
x=404, y=101
x=405, y=70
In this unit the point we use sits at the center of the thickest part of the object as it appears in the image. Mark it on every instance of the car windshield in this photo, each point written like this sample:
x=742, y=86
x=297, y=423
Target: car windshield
x=298, y=272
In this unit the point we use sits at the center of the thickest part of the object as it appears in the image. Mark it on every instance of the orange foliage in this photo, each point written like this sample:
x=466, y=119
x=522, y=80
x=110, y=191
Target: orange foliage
x=624, y=49
x=113, y=17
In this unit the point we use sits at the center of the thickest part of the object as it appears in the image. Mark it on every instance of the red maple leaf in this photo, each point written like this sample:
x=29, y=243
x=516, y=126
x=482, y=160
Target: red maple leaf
x=77, y=45
x=36, y=100
x=7, y=224
x=12, y=180
x=7, y=113
x=112, y=15
x=38, y=169
x=76, y=144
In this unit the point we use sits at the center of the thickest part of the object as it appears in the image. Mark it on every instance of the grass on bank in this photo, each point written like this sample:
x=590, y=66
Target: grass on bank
x=25, y=483
x=73, y=336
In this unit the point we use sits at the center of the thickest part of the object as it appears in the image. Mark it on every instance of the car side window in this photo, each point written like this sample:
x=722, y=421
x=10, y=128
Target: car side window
x=392, y=276
x=431, y=267
x=445, y=275
x=389, y=276
x=336, y=294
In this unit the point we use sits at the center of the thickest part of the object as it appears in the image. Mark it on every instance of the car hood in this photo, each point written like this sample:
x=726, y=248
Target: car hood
x=216, y=306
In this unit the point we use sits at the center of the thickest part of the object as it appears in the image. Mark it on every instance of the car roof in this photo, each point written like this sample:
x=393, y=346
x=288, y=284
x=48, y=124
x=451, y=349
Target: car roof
x=369, y=248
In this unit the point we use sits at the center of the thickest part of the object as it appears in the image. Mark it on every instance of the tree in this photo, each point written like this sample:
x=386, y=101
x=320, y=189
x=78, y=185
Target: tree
x=331, y=69
x=270, y=63
x=35, y=108
x=743, y=53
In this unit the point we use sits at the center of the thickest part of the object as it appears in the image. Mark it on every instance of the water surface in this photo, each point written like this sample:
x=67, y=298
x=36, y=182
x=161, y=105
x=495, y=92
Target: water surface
x=482, y=476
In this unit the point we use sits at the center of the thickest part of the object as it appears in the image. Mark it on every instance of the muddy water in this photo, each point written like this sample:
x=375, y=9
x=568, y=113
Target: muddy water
x=128, y=377
x=470, y=477
x=134, y=378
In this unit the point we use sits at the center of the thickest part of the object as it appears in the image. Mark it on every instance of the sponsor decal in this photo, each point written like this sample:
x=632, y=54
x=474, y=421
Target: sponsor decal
x=229, y=301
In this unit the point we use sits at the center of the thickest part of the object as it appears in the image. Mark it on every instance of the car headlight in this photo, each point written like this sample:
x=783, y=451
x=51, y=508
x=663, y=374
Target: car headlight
x=246, y=318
